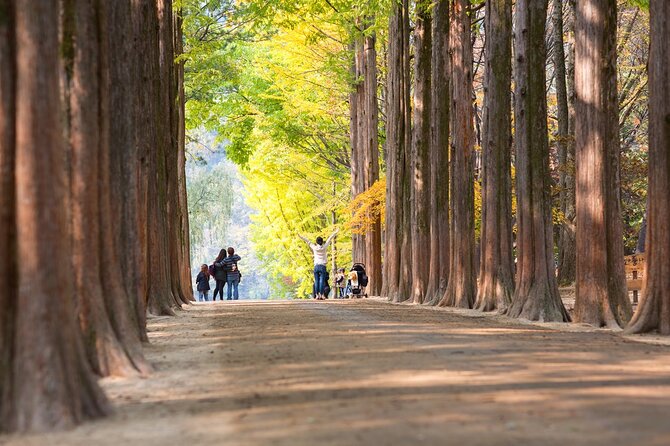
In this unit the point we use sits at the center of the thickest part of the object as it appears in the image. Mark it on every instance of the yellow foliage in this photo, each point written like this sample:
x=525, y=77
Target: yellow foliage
x=367, y=208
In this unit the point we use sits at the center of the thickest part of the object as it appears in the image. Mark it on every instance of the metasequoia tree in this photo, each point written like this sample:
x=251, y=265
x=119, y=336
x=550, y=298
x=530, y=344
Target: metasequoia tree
x=536, y=295
x=38, y=319
x=420, y=159
x=81, y=160
x=653, y=312
x=461, y=289
x=111, y=341
x=396, y=265
x=364, y=123
x=496, y=282
x=565, y=144
x=439, y=155
x=601, y=297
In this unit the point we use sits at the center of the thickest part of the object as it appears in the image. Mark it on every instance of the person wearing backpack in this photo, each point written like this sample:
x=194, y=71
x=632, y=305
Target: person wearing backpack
x=202, y=283
x=233, y=274
x=320, y=250
x=219, y=274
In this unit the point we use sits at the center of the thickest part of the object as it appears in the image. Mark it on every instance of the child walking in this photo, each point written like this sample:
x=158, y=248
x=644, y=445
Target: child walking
x=202, y=282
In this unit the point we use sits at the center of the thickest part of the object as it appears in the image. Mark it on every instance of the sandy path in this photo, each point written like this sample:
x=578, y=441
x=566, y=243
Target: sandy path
x=368, y=373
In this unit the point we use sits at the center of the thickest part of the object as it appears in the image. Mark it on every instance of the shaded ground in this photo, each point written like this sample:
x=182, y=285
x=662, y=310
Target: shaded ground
x=369, y=373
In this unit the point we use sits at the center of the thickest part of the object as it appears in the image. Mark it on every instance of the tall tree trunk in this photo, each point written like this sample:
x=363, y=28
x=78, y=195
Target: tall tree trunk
x=396, y=149
x=41, y=325
x=536, y=296
x=653, y=312
x=496, y=283
x=421, y=198
x=439, y=155
x=565, y=145
x=125, y=158
x=461, y=290
x=601, y=298
x=373, y=241
x=89, y=189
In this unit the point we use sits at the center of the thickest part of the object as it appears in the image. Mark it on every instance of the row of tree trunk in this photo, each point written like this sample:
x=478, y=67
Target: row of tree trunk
x=429, y=254
x=93, y=222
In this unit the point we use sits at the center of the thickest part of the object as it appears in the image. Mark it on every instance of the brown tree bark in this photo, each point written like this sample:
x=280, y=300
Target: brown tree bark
x=397, y=150
x=41, y=327
x=536, y=296
x=601, y=298
x=420, y=160
x=565, y=145
x=439, y=155
x=653, y=313
x=88, y=185
x=461, y=290
x=125, y=156
x=496, y=282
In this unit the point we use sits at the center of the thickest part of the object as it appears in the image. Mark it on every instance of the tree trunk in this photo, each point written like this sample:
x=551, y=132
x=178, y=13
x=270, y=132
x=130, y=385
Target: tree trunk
x=420, y=165
x=461, y=289
x=565, y=146
x=601, y=297
x=89, y=190
x=496, y=283
x=396, y=149
x=536, y=296
x=41, y=326
x=373, y=241
x=653, y=312
x=439, y=155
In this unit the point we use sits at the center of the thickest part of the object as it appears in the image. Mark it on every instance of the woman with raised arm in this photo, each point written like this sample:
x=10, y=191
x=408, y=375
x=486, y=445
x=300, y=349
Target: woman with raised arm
x=320, y=250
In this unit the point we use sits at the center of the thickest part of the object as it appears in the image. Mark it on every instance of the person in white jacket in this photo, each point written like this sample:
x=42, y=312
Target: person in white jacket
x=320, y=250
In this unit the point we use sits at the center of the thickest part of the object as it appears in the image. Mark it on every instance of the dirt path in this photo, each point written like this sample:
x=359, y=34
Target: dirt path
x=369, y=373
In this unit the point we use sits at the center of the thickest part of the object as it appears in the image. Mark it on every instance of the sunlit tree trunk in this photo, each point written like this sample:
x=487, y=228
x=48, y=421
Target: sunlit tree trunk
x=420, y=162
x=397, y=151
x=39, y=324
x=461, y=290
x=653, y=312
x=536, y=295
x=601, y=298
x=496, y=283
x=439, y=155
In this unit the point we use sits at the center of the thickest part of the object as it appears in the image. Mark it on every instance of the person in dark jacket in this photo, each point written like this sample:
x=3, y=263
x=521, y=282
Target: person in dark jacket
x=219, y=274
x=233, y=274
x=202, y=283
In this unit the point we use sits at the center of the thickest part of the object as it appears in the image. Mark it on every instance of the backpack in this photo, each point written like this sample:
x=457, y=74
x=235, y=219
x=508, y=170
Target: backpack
x=212, y=270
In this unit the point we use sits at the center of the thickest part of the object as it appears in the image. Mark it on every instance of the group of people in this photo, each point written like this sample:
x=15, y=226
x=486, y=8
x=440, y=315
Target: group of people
x=225, y=272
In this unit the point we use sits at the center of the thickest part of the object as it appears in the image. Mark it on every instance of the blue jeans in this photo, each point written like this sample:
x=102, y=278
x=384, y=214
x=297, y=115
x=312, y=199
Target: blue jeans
x=232, y=288
x=319, y=278
x=203, y=296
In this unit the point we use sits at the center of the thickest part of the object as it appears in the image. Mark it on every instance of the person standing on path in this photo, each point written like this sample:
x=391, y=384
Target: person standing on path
x=233, y=274
x=320, y=250
x=220, y=275
x=202, y=283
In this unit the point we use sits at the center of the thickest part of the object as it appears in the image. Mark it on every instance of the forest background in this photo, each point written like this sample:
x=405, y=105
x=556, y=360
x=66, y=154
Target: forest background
x=268, y=85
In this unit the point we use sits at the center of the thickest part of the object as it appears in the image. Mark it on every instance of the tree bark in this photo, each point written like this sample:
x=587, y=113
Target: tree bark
x=536, y=296
x=565, y=146
x=42, y=328
x=496, y=283
x=601, y=298
x=653, y=313
x=439, y=155
x=397, y=150
x=420, y=163
x=461, y=290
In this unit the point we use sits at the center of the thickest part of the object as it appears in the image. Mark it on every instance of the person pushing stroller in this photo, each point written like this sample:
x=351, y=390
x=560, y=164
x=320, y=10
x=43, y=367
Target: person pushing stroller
x=320, y=251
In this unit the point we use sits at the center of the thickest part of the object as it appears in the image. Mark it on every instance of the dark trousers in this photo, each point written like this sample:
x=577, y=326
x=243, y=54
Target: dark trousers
x=219, y=289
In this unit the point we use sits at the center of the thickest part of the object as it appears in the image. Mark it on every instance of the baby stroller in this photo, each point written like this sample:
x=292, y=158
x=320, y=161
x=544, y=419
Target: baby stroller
x=357, y=280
